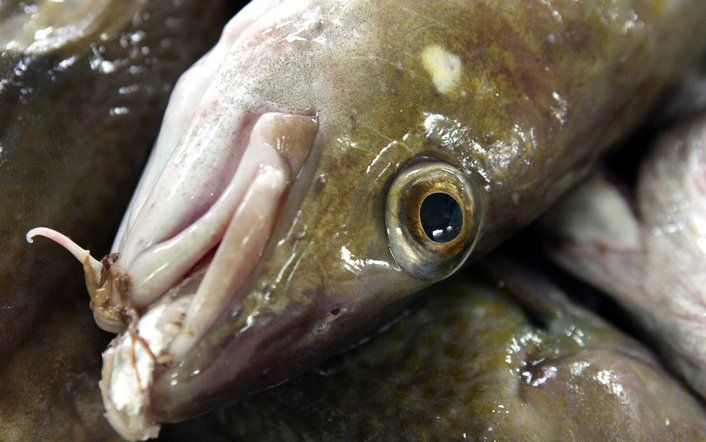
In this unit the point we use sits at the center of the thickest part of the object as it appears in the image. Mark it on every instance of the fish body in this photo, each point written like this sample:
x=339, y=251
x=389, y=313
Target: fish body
x=79, y=110
x=501, y=357
x=329, y=159
x=49, y=384
x=647, y=249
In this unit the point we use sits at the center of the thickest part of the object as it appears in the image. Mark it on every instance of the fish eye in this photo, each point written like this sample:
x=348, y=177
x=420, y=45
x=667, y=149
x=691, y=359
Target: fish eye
x=441, y=217
x=431, y=219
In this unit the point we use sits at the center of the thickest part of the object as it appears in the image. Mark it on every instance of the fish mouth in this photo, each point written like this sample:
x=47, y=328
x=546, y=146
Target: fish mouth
x=186, y=253
x=182, y=284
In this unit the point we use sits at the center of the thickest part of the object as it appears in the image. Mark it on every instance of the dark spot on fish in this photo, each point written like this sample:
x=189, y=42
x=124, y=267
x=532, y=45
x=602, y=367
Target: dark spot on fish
x=330, y=367
x=320, y=183
x=399, y=77
x=298, y=235
x=577, y=35
x=335, y=311
x=268, y=289
x=353, y=118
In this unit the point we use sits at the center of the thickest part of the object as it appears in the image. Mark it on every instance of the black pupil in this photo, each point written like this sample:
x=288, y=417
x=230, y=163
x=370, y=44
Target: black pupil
x=441, y=217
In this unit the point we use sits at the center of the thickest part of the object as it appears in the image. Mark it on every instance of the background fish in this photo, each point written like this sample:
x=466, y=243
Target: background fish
x=329, y=159
x=78, y=113
x=648, y=250
x=507, y=357
x=82, y=88
x=48, y=390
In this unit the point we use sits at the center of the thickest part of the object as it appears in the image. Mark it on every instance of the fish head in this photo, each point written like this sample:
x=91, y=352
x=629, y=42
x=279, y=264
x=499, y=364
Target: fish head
x=310, y=263
x=304, y=185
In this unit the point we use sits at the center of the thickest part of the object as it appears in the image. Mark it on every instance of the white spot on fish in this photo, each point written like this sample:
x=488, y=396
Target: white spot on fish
x=444, y=67
x=561, y=109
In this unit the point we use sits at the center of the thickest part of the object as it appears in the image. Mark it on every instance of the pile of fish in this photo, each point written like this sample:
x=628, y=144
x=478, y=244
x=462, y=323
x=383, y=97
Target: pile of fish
x=649, y=253
x=316, y=173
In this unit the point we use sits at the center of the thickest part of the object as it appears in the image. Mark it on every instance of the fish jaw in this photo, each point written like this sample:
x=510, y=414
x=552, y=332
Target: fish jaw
x=180, y=286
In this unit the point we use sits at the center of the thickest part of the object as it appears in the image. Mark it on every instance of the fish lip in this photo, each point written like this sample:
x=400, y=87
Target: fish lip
x=256, y=361
x=127, y=428
x=202, y=236
x=146, y=423
x=259, y=356
x=133, y=255
x=149, y=275
x=216, y=278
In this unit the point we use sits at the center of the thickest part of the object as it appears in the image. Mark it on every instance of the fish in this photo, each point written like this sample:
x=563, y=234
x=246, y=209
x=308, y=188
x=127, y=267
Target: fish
x=494, y=353
x=49, y=389
x=327, y=160
x=646, y=246
x=82, y=88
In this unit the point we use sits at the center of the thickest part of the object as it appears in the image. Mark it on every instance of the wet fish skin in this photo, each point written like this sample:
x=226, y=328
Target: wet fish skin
x=76, y=125
x=508, y=134
x=647, y=250
x=48, y=390
x=506, y=357
x=510, y=102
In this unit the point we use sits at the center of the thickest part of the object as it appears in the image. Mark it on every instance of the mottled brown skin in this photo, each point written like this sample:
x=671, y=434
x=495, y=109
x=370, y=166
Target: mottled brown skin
x=49, y=387
x=73, y=139
x=505, y=358
x=607, y=61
